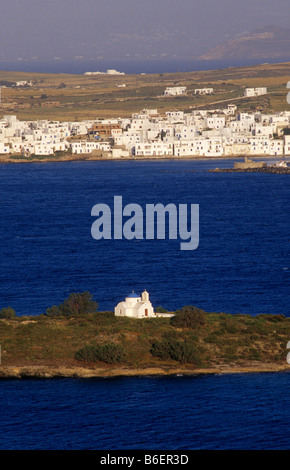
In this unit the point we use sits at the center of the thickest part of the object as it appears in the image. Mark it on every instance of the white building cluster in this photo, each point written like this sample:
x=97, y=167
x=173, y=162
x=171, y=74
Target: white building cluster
x=35, y=137
x=200, y=133
x=213, y=133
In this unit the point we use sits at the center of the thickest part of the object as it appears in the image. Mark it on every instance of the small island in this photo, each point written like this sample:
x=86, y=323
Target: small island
x=74, y=339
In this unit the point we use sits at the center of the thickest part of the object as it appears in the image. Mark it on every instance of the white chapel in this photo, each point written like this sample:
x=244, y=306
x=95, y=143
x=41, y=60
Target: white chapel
x=135, y=306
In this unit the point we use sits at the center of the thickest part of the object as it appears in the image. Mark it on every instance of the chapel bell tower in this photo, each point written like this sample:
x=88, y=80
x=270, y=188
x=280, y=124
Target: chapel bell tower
x=145, y=296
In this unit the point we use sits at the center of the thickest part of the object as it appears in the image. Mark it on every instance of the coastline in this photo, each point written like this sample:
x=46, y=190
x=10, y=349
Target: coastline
x=44, y=372
x=5, y=159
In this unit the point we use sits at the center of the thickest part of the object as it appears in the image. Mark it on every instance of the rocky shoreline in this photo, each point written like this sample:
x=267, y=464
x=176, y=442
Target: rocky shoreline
x=44, y=372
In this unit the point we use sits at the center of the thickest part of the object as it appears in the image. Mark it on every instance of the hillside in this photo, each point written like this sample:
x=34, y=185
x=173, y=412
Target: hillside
x=268, y=43
x=65, y=97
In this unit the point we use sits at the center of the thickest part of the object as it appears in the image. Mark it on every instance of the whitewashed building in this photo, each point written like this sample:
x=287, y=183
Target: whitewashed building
x=260, y=130
x=203, y=91
x=175, y=91
x=277, y=147
x=200, y=147
x=84, y=147
x=267, y=146
x=186, y=132
x=135, y=306
x=155, y=148
x=48, y=148
x=255, y=91
x=175, y=116
x=128, y=139
x=215, y=122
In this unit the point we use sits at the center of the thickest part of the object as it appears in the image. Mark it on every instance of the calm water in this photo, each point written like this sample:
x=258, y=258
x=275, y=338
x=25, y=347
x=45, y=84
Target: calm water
x=241, y=265
x=211, y=412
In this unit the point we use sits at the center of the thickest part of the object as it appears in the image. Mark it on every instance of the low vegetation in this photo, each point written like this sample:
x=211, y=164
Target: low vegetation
x=75, y=334
x=68, y=97
x=108, y=352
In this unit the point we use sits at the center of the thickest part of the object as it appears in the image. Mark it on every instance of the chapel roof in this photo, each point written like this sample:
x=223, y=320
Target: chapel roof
x=133, y=295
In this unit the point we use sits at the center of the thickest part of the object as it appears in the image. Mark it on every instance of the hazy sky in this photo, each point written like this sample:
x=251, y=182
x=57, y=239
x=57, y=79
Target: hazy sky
x=65, y=29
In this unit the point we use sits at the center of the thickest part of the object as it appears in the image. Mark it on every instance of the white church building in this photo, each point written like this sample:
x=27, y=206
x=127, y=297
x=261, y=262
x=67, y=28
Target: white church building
x=135, y=306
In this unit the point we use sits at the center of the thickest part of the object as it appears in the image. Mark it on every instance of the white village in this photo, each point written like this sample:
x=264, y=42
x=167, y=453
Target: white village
x=221, y=132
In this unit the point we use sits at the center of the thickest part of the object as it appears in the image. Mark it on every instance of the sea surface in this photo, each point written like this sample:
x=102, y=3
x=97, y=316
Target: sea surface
x=221, y=412
x=240, y=266
x=128, y=66
x=47, y=251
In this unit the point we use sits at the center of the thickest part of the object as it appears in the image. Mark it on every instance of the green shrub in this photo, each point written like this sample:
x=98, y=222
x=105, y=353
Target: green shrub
x=108, y=352
x=230, y=354
x=75, y=304
x=272, y=318
x=188, y=317
x=7, y=312
x=253, y=354
x=86, y=354
x=211, y=338
x=229, y=329
x=177, y=350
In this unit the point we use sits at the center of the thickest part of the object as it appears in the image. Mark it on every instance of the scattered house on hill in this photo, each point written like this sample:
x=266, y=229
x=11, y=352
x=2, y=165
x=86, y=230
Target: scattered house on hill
x=175, y=91
x=255, y=91
x=203, y=91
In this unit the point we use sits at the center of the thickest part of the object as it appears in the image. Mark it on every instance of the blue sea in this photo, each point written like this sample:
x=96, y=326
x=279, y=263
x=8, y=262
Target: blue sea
x=240, y=266
x=165, y=65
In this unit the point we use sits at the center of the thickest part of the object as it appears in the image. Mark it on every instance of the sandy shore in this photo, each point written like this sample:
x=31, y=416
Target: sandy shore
x=44, y=372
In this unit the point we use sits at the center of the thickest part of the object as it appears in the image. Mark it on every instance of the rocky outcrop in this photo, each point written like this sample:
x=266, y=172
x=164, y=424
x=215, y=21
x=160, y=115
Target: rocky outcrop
x=248, y=163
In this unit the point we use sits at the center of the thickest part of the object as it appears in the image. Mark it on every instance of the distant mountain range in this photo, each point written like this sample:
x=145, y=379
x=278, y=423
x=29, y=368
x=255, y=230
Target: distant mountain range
x=270, y=42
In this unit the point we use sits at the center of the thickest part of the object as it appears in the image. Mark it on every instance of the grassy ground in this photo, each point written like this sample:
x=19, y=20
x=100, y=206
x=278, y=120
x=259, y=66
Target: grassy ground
x=222, y=339
x=77, y=97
